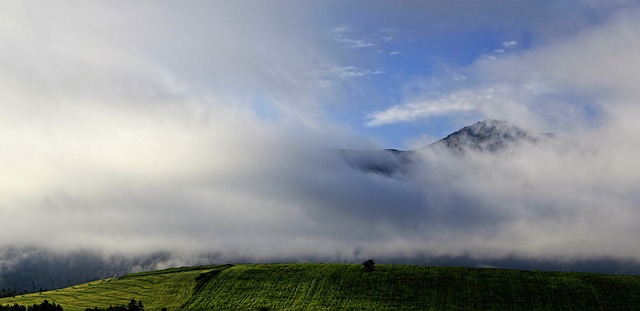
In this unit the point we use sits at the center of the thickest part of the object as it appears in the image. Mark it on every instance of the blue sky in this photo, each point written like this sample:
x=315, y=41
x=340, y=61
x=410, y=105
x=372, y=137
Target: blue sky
x=202, y=127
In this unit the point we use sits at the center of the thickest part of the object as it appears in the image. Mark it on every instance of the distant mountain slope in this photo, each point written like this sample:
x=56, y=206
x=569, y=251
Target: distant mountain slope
x=348, y=287
x=28, y=269
x=483, y=136
x=388, y=162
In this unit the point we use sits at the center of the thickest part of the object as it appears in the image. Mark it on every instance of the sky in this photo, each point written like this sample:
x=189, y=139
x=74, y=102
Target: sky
x=205, y=127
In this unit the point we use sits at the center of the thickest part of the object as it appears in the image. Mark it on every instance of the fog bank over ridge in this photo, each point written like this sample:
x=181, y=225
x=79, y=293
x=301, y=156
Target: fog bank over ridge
x=486, y=192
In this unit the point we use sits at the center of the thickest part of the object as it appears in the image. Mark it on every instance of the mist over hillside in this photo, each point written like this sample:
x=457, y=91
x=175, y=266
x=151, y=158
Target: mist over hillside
x=475, y=158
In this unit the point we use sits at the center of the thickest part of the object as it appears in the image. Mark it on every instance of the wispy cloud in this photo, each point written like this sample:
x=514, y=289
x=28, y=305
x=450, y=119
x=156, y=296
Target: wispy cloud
x=388, y=34
x=348, y=72
x=509, y=44
x=417, y=110
x=343, y=35
x=493, y=101
x=327, y=77
x=506, y=46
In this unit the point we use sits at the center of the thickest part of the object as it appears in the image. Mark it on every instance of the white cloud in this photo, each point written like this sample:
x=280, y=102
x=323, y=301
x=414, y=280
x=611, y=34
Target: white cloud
x=509, y=44
x=505, y=46
x=418, y=110
x=345, y=72
x=343, y=35
x=498, y=101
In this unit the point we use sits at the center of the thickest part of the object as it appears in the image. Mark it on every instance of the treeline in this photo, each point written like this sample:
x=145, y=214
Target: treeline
x=7, y=293
x=11, y=293
x=47, y=306
x=44, y=306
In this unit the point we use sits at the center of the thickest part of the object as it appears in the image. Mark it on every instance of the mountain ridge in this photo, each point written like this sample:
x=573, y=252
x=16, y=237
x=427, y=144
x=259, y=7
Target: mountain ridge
x=489, y=135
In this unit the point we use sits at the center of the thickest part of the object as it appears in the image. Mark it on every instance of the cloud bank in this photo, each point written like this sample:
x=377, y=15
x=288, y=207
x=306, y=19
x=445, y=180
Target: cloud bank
x=538, y=201
x=206, y=131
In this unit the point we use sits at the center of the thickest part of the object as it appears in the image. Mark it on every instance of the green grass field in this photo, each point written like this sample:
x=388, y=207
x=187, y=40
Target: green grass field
x=347, y=287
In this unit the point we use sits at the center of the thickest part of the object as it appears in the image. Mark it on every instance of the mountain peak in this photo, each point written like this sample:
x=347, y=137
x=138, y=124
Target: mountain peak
x=487, y=135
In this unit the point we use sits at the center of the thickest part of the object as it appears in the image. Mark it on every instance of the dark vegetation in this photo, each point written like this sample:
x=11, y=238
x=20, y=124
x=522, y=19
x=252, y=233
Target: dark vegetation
x=132, y=306
x=369, y=265
x=44, y=306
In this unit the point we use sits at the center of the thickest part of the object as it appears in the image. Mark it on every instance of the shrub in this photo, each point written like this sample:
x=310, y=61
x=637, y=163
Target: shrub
x=369, y=265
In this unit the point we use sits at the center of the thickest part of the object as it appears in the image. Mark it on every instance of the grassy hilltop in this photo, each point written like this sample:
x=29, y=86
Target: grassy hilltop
x=348, y=287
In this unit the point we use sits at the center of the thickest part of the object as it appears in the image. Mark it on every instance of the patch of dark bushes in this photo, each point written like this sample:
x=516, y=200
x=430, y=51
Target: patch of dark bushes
x=132, y=306
x=44, y=306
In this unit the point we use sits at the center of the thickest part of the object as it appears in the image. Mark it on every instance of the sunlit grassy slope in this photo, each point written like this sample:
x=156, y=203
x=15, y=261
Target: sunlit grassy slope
x=348, y=287
x=169, y=288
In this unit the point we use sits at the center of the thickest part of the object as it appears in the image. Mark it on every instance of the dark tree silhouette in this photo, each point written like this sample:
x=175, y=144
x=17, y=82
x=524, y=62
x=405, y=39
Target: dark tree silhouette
x=369, y=265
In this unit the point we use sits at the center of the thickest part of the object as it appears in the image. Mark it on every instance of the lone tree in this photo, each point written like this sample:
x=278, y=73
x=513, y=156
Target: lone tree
x=369, y=265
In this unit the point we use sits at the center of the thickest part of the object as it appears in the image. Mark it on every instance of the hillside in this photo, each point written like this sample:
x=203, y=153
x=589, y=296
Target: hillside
x=169, y=288
x=347, y=287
